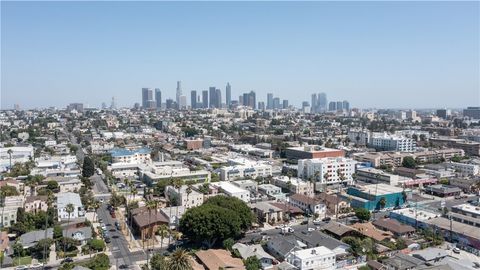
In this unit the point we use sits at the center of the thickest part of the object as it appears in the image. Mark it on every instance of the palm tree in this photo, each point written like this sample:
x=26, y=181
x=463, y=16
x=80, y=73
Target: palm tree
x=95, y=205
x=178, y=183
x=188, y=191
x=163, y=232
x=10, y=152
x=342, y=178
x=179, y=260
x=382, y=202
x=69, y=208
x=151, y=205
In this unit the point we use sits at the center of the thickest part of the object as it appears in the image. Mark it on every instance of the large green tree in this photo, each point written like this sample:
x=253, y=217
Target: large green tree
x=236, y=205
x=409, y=162
x=208, y=223
x=88, y=167
x=362, y=214
x=252, y=263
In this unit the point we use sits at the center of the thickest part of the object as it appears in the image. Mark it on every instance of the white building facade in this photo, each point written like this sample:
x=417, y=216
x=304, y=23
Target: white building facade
x=327, y=171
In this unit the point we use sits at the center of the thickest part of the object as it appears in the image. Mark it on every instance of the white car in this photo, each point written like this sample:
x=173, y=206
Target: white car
x=456, y=250
x=311, y=229
x=103, y=227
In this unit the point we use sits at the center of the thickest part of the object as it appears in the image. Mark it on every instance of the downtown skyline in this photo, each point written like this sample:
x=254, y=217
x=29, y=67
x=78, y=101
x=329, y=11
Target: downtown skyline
x=409, y=56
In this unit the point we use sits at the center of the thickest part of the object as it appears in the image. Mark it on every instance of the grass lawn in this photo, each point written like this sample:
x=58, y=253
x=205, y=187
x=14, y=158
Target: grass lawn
x=27, y=260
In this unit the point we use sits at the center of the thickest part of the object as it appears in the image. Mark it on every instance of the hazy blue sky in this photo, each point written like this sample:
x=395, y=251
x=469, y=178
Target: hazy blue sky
x=375, y=54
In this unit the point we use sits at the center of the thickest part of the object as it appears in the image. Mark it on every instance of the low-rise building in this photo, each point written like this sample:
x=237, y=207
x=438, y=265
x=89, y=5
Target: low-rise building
x=247, y=251
x=272, y=191
x=185, y=196
x=232, y=190
x=387, y=142
x=69, y=198
x=372, y=175
x=307, y=204
x=248, y=170
x=372, y=196
x=319, y=258
x=442, y=190
x=137, y=156
x=312, y=151
x=294, y=185
x=33, y=204
x=8, y=214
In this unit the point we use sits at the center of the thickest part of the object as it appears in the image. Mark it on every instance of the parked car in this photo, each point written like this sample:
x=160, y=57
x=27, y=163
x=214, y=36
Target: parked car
x=67, y=260
x=117, y=225
x=103, y=227
x=107, y=240
x=456, y=250
x=21, y=267
x=113, y=214
x=326, y=219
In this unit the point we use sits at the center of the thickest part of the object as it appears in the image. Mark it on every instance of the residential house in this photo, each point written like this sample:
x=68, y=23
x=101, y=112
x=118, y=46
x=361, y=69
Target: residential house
x=29, y=239
x=33, y=204
x=214, y=259
x=65, y=199
x=184, y=196
x=392, y=225
x=247, y=251
x=318, y=258
x=307, y=204
x=82, y=234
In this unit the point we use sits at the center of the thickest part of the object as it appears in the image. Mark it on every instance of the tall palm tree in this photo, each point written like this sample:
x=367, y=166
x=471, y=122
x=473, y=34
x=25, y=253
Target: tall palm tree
x=179, y=260
x=10, y=152
x=342, y=178
x=151, y=206
x=189, y=191
x=95, y=205
x=69, y=208
x=163, y=232
x=178, y=183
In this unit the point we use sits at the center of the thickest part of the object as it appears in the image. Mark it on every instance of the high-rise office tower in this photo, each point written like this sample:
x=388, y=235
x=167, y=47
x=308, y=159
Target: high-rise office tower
x=183, y=102
x=104, y=105
x=228, y=94
x=269, y=101
x=261, y=106
x=212, y=95
x=339, y=105
x=240, y=100
x=179, y=91
x=158, y=98
x=204, y=99
x=285, y=103
x=322, y=101
x=332, y=106
x=170, y=103
x=113, y=106
x=252, y=100
x=193, y=99
x=276, y=103
x=346, y=105
x=218, y=98
x=147, y=96
x=313, y=108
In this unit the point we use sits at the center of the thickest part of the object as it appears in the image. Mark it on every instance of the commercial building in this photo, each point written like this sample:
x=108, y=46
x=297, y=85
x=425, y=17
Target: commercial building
x=158, y=98
x=472, y=112
x=312, y=151
x=158, y=171
x=443, y=190
x=372, y=175
x=327, y=171
x=370, y=196
x=470, y=148
x=193, y=99
x=294, y=185
x=272, y=191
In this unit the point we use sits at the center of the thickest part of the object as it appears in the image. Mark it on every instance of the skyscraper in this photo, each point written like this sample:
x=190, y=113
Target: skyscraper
x=158, y=98
x=183, y=102
x=346, y=105
x=228, y=94
x=322, y=102
x=218, y=98
x=269, y=101
x=179, y=91
x=339, y=105
x=252, y=100
x=285, y=103
x=332, y=106
x=313, y=107
x=193, y=99
x=261, y=106
x=147, y=96
x=245, y=99
x=276, y=103
x=205, y=99
x=213, y=95
x=113, y=106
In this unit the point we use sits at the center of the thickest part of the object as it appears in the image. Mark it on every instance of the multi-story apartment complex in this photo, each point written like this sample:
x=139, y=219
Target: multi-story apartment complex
x=295, y=185
x=327, y=171
x=318, y=258
x=184, y=196
x=232, y=190
x=387, y=142
x=137, y=156
x=248, y=170
x=63, y=200
x=8, y=214
x=470, y=148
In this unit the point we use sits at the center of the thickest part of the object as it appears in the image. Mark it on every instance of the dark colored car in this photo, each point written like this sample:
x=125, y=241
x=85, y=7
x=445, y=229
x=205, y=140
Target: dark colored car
x=107, y=240
x=67, y=260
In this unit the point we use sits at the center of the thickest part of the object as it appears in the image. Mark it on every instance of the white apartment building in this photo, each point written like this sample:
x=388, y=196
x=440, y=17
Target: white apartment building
x=248, y=170
x=183, y=197
x=464, y=168
x=8, y=213
x=232, y=190
x=120, y=155
x=327, y=171
x=317, y=258
x=296, y=185
x=19, y=154
x=359, y=137
x=64, y=199
x=387, y=142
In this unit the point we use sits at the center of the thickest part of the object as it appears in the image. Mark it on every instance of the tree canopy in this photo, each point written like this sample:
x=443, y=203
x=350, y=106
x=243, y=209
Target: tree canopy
x=409, y=162
x=362, y=214
x=88, y=167
x=219, y=218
